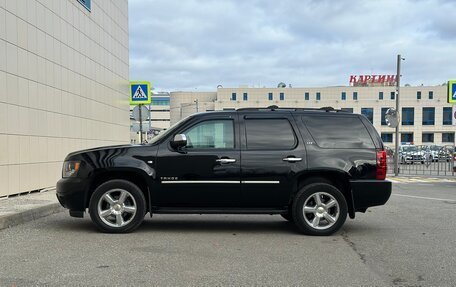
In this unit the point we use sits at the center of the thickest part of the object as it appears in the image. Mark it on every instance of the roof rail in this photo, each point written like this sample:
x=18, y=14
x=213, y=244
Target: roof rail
x=276, y=108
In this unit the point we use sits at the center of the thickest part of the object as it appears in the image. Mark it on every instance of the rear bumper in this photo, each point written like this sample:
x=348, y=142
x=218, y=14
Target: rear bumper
x=367, y=193
x=71, y=193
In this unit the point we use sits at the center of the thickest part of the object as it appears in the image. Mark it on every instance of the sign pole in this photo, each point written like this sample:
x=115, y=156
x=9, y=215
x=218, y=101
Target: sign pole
x=396, y=144
x=140, y=124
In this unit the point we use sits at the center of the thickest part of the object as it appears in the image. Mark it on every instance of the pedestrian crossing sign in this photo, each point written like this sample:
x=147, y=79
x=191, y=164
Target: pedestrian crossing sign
x=452, y=92
x=140, y=93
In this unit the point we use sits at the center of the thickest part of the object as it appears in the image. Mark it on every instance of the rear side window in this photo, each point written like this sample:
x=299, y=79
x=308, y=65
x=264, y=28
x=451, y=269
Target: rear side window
x=269, y=134
x=338, y=132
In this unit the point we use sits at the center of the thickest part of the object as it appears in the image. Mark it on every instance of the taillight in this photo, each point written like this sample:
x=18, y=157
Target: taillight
x=381, y=165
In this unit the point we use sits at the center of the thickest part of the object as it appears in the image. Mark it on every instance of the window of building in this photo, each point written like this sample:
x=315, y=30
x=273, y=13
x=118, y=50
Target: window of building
x=431, y=95
x=245, y=96
x=332, y=132
x=259, y=131
x=447, y=120
x=349, y=110
x=448, y=137
x=380, y=95
x=355, y=96
x=428, y=138
x=387, y=137
x=270, y=96
x=86, y=4
x=159, y=101
x=408, y=116
x=393, y=95
x=418, y=95
x=407, y=137
x=318, y=96
x=368, y=113
x=282, y=96
x=343, y=96
x=428, y=116
x=306, y=96
x=233, y=96
x=211, y=134
x=383, y=121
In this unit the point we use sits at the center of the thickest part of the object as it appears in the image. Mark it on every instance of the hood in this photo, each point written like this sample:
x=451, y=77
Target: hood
x=112, y=147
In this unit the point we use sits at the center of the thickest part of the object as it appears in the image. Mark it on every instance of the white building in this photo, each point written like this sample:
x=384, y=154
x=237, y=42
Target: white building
x=425, y=114
x=63, y=85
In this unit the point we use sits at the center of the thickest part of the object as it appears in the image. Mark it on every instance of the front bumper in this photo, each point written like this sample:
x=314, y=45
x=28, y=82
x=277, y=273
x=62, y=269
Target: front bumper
x=71, y=193
x=367, y=193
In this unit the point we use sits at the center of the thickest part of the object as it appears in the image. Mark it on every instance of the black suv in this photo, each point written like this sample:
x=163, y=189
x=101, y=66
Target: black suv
x=312, y=166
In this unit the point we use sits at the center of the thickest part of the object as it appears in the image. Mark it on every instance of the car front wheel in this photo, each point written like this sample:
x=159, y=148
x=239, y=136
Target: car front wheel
x=117, y=206
x=319, y=209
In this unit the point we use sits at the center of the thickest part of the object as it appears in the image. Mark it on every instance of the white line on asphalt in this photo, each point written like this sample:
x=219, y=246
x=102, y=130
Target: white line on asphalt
x=422, y=197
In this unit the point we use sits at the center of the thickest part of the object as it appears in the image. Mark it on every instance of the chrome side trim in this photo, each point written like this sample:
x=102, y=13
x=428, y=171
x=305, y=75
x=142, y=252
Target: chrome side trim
x=200, y=181
x=261, y=181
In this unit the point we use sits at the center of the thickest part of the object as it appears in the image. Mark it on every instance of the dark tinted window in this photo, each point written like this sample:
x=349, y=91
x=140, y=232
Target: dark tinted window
x=269, y=134
x=338, y=132
x=383, y=121
x=447, y=120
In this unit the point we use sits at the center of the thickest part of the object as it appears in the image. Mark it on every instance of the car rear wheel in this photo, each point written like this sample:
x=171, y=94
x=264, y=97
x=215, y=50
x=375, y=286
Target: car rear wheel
x=117, y=206
x=319, y=209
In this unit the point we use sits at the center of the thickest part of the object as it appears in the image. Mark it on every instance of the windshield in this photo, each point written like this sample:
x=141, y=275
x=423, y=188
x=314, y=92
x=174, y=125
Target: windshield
x=410, y=148
x=165, y=133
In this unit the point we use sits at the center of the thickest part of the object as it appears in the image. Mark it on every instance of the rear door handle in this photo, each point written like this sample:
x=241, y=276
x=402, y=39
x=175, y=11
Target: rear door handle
x=292, y=159
x=225, y=160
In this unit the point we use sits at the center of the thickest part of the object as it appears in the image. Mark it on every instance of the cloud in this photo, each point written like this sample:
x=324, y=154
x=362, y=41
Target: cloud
x=183, y=45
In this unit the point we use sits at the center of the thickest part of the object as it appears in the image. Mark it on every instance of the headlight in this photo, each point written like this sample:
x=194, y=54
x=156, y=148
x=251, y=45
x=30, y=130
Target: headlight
x=70, y=168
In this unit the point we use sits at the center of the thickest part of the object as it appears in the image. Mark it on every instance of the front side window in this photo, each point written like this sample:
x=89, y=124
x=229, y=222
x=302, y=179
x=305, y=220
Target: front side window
x=211, y=134
x=269, y=134
x=428, y=116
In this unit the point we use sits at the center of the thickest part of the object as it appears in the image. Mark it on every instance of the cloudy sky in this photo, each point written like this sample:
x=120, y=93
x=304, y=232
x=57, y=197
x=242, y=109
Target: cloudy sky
x=199, y=44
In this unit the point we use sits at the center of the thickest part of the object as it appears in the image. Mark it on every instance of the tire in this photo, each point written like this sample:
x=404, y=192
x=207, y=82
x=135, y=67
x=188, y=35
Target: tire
x=307, y=196
x=288, y=216
x=122, y=203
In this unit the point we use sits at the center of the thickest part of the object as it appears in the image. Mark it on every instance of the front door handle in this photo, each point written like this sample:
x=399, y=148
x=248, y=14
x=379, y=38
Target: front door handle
x=225, y=160
x=292, y=159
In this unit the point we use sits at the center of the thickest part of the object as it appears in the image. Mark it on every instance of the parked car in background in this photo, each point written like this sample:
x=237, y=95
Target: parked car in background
x=409, y=154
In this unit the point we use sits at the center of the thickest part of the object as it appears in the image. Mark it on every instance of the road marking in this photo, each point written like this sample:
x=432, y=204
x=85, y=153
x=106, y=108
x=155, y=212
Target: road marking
x=420, y=180
x=423, y=197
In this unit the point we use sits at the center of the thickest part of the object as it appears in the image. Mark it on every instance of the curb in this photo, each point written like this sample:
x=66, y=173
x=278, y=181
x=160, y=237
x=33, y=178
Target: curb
x=10, y=220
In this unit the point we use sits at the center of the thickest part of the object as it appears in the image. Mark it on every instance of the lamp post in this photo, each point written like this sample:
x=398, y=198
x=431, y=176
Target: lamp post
x=396, y=145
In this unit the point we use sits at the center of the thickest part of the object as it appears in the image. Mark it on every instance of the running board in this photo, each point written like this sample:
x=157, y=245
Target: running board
x=192, y=210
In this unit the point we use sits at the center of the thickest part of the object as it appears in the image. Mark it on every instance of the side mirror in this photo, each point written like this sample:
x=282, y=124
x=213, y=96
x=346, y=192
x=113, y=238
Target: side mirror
x=180, y=140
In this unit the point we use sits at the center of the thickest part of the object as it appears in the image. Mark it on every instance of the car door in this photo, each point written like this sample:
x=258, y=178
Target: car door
x=272, y=154
x=206, y=172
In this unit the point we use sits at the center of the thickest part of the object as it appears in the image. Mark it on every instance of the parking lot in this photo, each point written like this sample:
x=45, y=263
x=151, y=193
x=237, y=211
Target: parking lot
x=408, y=242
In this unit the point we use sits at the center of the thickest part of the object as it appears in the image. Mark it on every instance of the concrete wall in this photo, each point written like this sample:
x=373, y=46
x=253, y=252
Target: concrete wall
x=63, y=85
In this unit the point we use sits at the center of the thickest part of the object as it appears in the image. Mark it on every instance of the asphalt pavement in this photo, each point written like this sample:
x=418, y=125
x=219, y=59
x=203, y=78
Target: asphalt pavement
x=408, y=242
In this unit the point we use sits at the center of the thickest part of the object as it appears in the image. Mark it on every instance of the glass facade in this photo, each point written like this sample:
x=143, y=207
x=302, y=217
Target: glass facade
x=408, y=116
x=387, y=137
x=447, y=120
x=428, y=116
x=428, y=138
x=368, y=113
x=159, y=101
x=407, y=137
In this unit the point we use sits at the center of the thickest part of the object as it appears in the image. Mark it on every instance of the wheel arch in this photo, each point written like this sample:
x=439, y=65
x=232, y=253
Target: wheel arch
x=334, y=177
x=133, y=175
